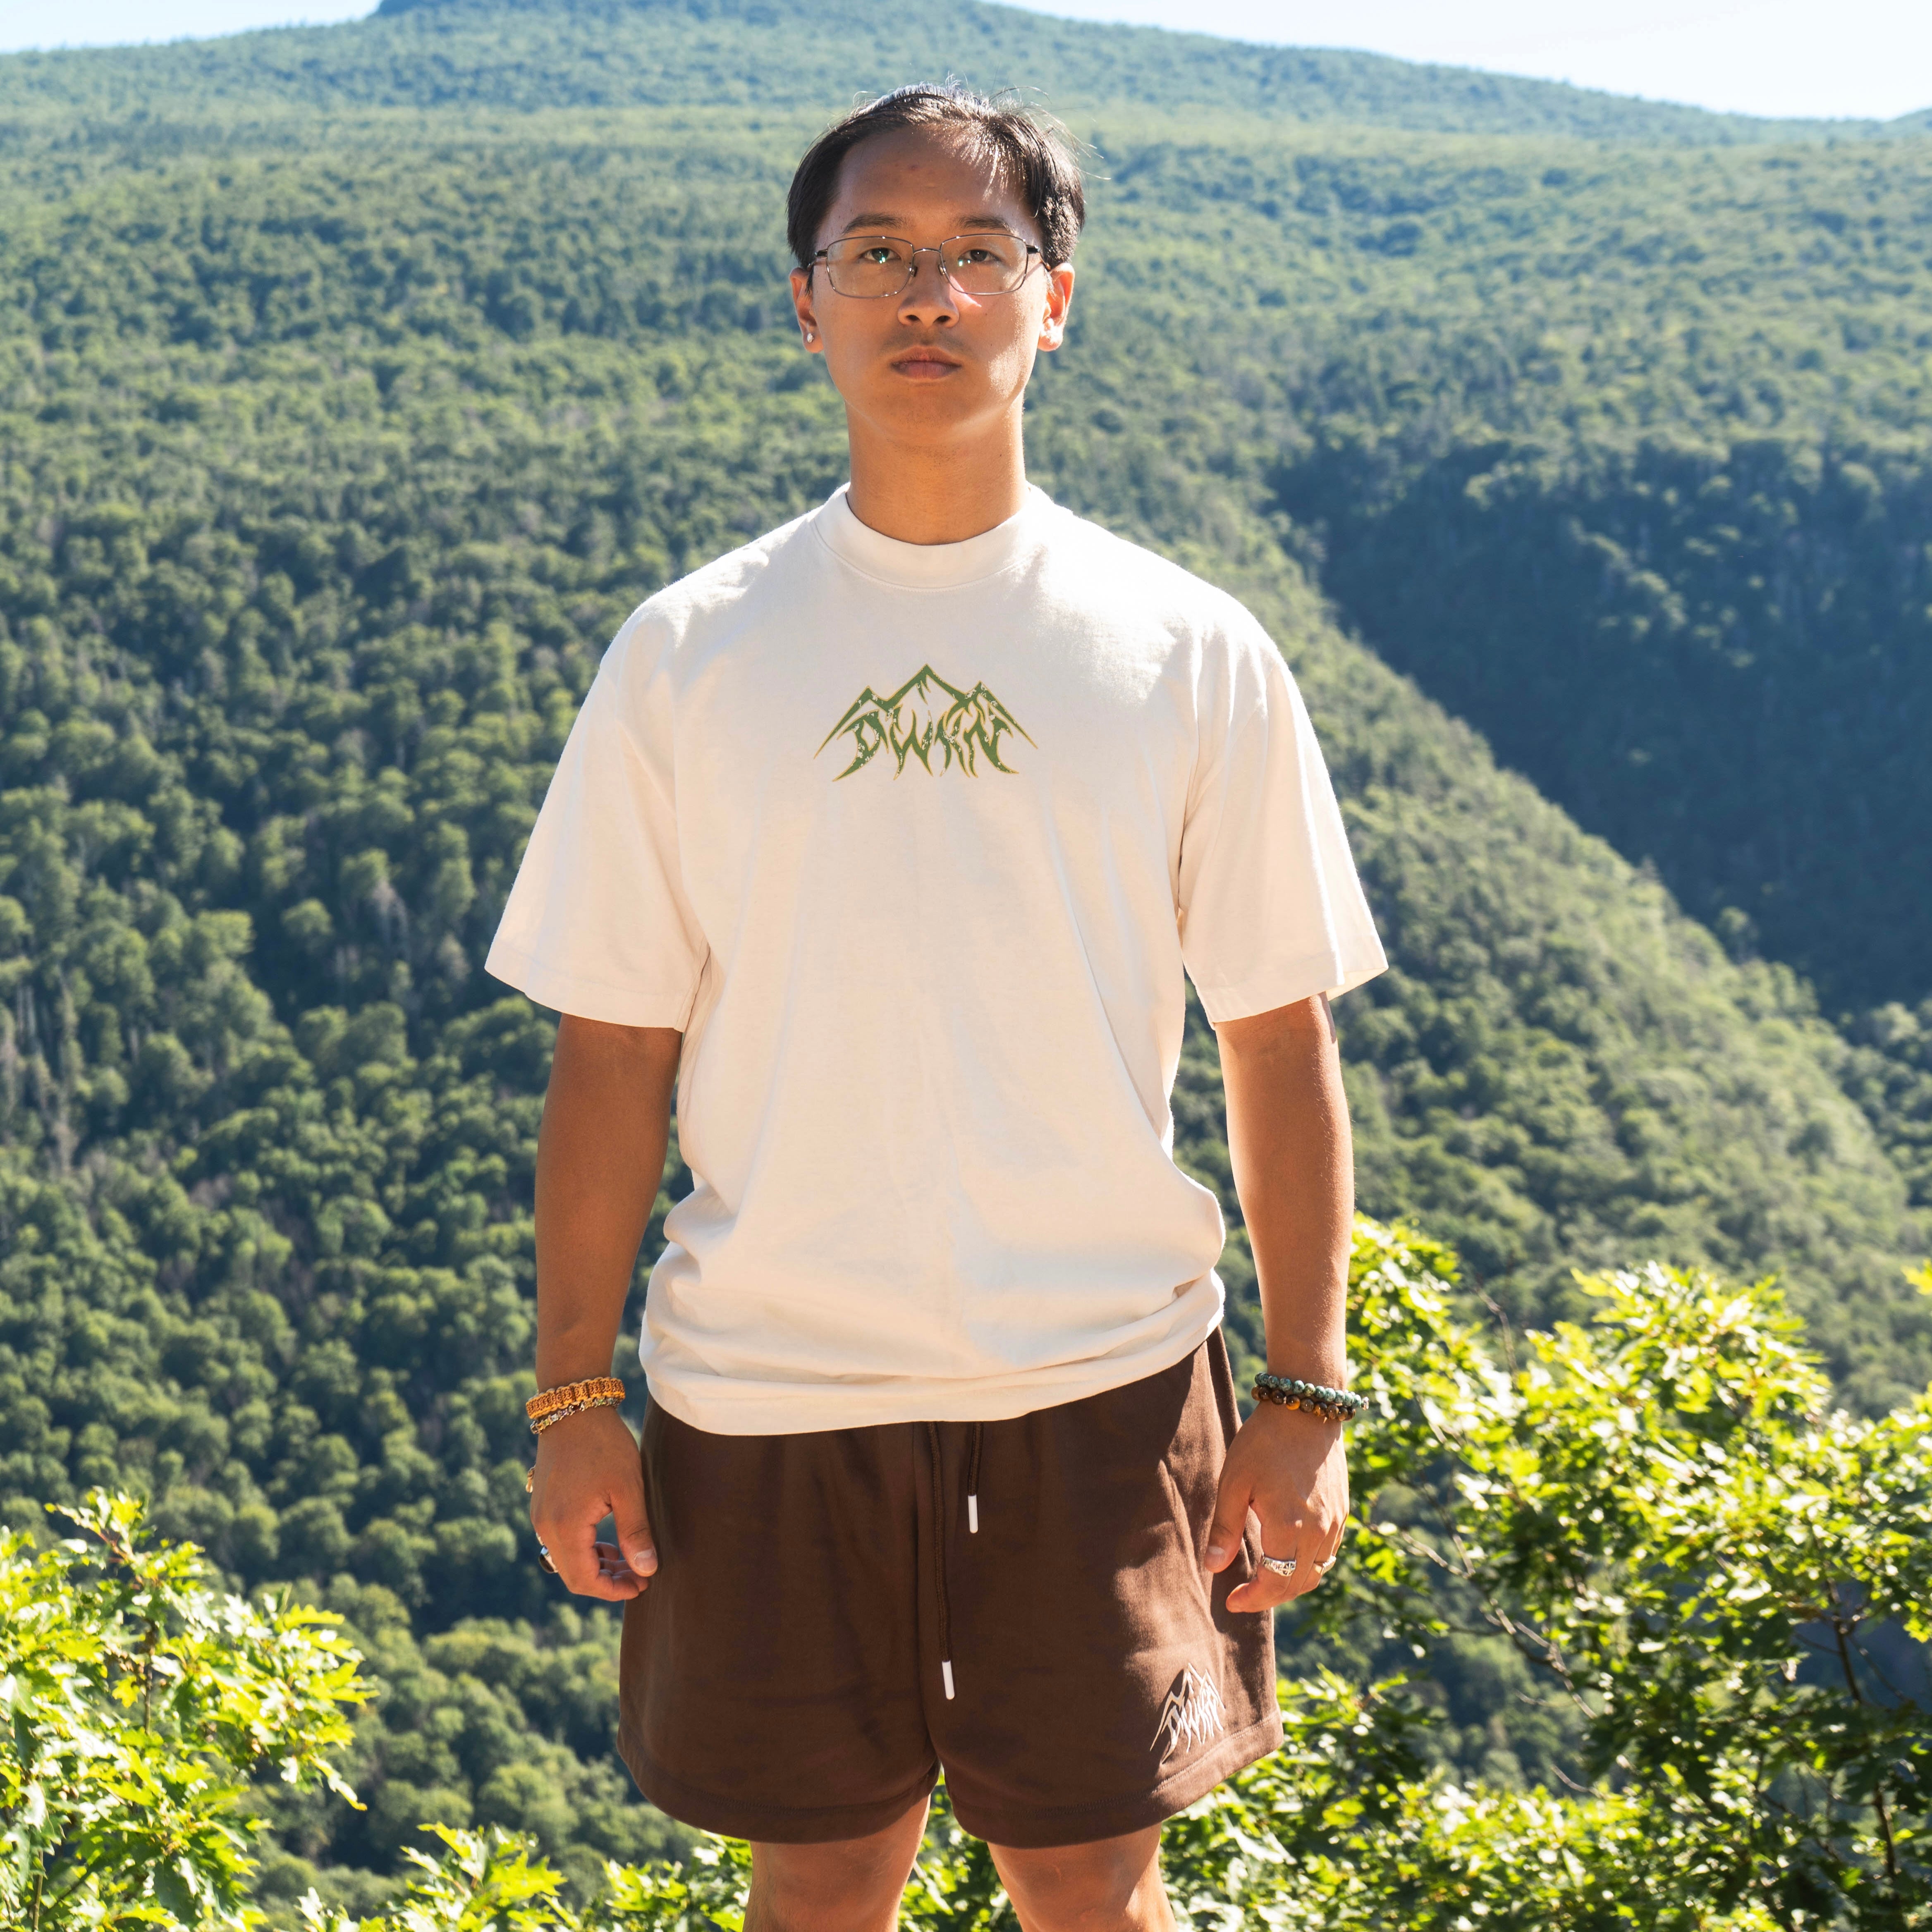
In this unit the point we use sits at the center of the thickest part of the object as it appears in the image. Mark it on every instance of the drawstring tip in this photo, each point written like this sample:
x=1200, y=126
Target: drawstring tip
x=946, y=1672
x=973, y=1516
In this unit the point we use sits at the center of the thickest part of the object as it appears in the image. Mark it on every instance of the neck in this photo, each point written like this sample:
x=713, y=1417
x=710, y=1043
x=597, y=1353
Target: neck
x=927, y=493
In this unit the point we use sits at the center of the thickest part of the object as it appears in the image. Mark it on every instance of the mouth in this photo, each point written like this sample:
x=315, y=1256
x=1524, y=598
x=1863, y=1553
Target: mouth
x=925, y=363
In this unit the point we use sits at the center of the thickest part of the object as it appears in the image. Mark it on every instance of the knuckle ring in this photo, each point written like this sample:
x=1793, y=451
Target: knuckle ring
x=545, y=1562
x=1281, y=1566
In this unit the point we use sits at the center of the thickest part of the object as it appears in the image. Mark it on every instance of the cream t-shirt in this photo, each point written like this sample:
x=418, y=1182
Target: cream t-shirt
x=914, y=843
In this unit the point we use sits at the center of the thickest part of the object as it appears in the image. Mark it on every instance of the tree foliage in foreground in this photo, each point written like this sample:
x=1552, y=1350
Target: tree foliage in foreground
x=1729, y=1580
x=138, y=1705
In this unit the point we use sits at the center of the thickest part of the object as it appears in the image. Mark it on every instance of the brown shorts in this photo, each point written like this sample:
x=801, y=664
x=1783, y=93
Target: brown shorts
x=838, y=1614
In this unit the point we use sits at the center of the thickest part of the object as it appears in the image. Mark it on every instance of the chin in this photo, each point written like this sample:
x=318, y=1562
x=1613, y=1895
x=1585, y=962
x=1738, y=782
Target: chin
x=932, y=403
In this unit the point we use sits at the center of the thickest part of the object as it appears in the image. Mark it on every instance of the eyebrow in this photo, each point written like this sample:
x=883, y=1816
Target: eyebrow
x=872, y=223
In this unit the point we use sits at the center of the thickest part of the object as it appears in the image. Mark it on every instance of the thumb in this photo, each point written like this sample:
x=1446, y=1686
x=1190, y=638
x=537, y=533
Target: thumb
x=1230, y=1519
x=633, y=1526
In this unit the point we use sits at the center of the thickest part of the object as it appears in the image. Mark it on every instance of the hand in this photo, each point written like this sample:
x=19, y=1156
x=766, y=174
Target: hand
x=1292, y=1469
x=587, y=1468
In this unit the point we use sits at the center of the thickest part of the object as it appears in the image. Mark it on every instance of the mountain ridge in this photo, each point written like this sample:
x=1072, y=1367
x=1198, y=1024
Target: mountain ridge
x=513, y=54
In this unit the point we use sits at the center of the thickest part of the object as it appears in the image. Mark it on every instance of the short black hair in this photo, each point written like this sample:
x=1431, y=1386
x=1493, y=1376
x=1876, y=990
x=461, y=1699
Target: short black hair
x=1037, y=157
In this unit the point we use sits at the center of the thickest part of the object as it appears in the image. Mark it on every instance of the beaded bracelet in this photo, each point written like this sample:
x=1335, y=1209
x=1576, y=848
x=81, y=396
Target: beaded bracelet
x=572, y=1396
x=1331, y=1404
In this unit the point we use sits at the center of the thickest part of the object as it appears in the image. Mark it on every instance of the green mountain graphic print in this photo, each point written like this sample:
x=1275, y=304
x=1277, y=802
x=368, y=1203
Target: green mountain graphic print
x=927, y=718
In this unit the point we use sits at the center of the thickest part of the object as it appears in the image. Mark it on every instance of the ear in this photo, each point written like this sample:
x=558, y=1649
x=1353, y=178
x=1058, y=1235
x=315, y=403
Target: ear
x=1059, y=300
x=802, y=306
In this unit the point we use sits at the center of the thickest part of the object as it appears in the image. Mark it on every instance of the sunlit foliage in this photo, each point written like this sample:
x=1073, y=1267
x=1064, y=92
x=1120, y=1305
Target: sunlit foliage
x=138, y=1703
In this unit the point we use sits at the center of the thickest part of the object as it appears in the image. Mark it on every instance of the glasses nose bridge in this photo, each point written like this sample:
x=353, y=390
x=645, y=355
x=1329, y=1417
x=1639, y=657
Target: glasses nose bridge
x=937, y=251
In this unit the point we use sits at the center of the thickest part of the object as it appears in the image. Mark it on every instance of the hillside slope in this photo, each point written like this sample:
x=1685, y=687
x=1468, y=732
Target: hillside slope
x=775, y=54
x=1622, y=456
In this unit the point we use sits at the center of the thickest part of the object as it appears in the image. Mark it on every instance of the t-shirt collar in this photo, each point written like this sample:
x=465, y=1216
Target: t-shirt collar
x=928, y=566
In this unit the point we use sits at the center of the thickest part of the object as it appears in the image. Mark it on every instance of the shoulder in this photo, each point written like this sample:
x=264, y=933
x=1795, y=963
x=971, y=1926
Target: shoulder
x=1162, y=594
x=713, y=598
x=1117, y=567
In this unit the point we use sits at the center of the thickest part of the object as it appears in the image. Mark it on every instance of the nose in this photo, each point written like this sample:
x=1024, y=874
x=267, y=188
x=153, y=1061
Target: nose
x=928, y=297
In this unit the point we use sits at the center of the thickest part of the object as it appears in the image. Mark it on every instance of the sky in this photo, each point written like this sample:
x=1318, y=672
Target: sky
x=1867, y=59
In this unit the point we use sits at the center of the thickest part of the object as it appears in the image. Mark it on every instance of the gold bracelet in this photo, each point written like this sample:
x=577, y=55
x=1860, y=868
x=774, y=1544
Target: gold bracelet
x=569, y=1409
x=566, y=1394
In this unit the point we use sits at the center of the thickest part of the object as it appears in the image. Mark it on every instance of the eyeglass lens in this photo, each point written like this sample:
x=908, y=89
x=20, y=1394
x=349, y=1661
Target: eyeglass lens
x=882, y=265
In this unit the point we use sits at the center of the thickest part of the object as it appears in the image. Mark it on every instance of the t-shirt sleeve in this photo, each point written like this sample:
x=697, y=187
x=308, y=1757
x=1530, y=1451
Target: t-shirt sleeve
x=598, y=923
x=1270, y=909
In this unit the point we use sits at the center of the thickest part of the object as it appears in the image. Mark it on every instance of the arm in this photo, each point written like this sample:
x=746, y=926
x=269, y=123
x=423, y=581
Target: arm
x=1287, y=1133
x=600, y=1157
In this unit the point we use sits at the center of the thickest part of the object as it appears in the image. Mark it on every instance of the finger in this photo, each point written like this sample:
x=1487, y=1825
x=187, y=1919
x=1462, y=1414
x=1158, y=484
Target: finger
x=572, y=1568
x=1230, y=1519
x=572, y=1547
x=612, y=1562
x=1321, y=1542
x=610, y=1581
x=613, y=1580
x=1286, y=1536
x=1314, y=1549
x=1264, y=1590
x=612, y=1589
x=1267, y=1588
x=633, y=1524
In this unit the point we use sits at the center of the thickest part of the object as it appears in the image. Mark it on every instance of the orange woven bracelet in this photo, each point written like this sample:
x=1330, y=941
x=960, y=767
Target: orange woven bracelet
x=566, y=1395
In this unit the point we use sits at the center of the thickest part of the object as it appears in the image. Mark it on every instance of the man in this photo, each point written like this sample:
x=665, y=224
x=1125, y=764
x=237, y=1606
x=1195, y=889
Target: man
x=888, y=839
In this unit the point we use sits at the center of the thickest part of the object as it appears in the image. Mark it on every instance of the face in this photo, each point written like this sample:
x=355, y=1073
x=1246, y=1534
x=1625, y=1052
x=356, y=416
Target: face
x=929, y=366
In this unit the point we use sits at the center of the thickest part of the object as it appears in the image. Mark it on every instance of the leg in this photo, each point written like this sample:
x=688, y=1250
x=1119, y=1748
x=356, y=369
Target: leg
x=851, y=1884
x=1113, y=1885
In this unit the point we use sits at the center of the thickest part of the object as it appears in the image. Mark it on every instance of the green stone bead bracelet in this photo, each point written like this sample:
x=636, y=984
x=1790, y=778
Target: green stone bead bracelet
x=1331, y=1404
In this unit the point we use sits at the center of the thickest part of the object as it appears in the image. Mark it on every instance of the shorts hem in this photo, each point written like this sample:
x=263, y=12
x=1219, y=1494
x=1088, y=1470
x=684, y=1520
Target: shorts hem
x=1034, y=1827
x=765, y=1824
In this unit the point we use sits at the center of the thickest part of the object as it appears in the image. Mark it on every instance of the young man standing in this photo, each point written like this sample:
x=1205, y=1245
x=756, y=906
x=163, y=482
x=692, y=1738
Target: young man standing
x=887, y=839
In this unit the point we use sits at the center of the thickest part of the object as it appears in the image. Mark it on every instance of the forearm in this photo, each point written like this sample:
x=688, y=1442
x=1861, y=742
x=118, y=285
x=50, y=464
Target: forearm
x=1288, y=1134
x=600, y=1157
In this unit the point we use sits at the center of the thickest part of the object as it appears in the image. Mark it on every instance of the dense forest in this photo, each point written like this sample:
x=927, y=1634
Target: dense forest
x=1583, y=481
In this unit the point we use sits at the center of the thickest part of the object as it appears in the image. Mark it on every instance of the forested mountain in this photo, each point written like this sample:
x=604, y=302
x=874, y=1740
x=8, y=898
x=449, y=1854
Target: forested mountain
x=520, y=55
x=333, y=449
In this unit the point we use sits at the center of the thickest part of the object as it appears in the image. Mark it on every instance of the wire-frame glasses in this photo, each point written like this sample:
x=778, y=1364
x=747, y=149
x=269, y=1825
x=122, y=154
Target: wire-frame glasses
x=872, y=266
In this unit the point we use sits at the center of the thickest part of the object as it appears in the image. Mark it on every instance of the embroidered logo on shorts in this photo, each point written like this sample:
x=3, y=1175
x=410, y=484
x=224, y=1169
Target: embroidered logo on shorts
x=1192, y=1714
x=930, y=720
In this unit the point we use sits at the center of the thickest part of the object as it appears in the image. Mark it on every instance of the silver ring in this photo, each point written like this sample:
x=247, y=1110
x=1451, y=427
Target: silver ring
x=545, y=1562
x=1281, y=1566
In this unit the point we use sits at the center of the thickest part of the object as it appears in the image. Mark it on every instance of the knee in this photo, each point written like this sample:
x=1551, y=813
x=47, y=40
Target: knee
x=822, y=1894
x=853, y=1885
x=1114, y=1885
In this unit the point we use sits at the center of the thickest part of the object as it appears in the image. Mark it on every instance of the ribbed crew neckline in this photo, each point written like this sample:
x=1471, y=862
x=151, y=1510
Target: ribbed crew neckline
x=928, y=566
